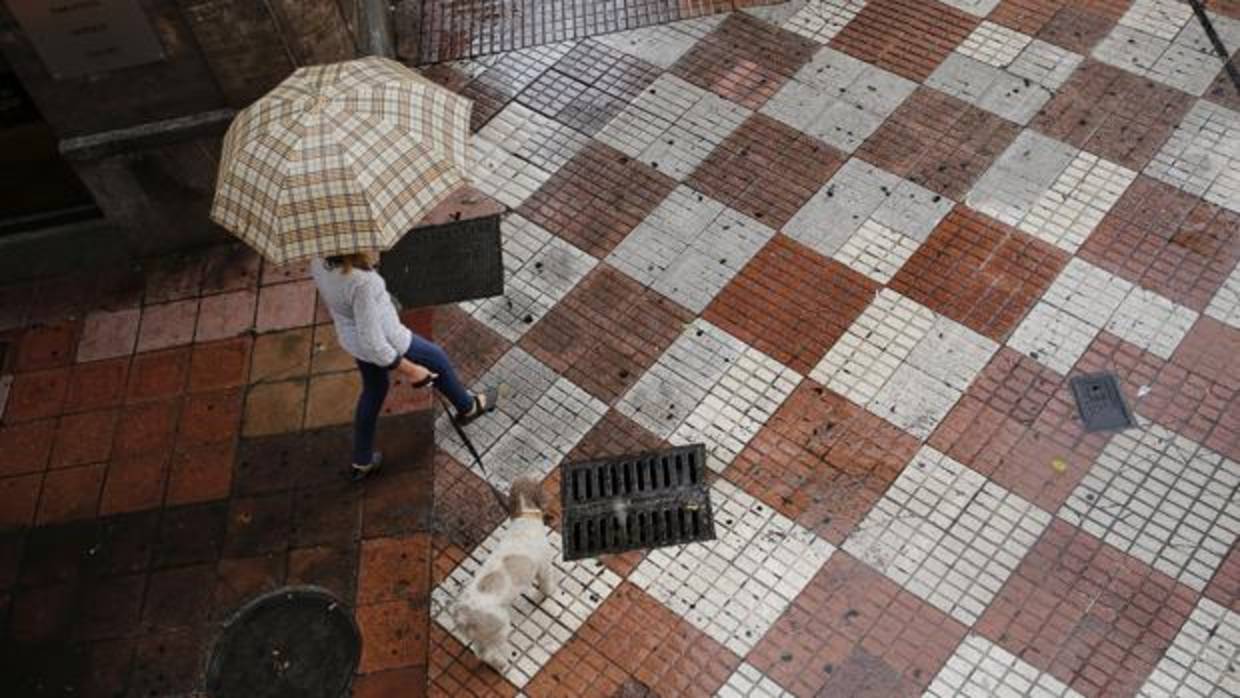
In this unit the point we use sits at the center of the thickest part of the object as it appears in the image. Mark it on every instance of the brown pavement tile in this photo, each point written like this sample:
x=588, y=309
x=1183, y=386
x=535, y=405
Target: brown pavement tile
x=36, y=395
x=398, y=503
x=465, y=513
x=71, y=494
x=97, y=384
x=174, y=277
x=109, y=334
x=979, y=272
x=744, y=60
x=395, y=569
x=488, y=101
x=226, y=315
x=134, y=483
x=238, y=580
x=123, y=544
x=326, y=515
x=822, y=461
x=394, y=635
x=597, y=198
x=218, y=365
x=1079, y=26
x=210, y=417
x=230, y=267
x=1230, y=8
x=296, y=460
x=939, y=142
x=54, y=554
x=167, y=325
x=1026, y=16
x=766, y=170
x=178, y=598
x=168, y=663
x=907, y=37
x=147, y=427
x=158, y=375
x=1209, y=350
x=43, y=613
x=578, y=669
x=107, y=668
x=282, y=273
x=26, y=447
x=1113, y=114
x=454, y=671
x=332, y=568
x=328, y=355
x=606, y=332
x=332, y=399
x=48, y=346
x=19, y=497
x=1224, y=588
x=791, y=303
x=258, y=525
x=282, y=355
x=284, y=306
x=1168, y=241
x=84, y=438
x=190, y=535
x=200, y=474
x=1096, y=619
x=274, y=408
x=472, y=346
x=848, y=621
x=109, y=608
x=12, y=543
x=398, y=683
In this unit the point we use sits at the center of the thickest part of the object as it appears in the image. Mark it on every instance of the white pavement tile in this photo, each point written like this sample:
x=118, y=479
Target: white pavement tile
x=540, y=625
x=1161, y=18
x=690, y=247
x=996, y=90
x=1077, y=201
x=821, y=20
x=1202, y=156
x=1152, y=322
x=981, y=668
x=503, y=148
x=1225, y=306
x=978, y=8
x=947, y=534
x=1163, y=499
x=1203, y=659
x=1053, y=337
x=1020, y=176
x=857, y=192
x=876, y=251
x=662, y=44
x=1045, y=64
x=539, y=269
x=538, y=421
x=994, y=44
x=748, y=682
x=1161, y=40
x=735, y=587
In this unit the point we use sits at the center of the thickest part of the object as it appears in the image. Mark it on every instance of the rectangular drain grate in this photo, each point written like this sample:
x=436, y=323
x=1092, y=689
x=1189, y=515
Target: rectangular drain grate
x=1100, y=402
x=632, y=502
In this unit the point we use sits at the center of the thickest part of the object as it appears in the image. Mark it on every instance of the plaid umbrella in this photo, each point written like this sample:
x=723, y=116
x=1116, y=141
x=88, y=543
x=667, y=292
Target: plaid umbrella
x=340, y=158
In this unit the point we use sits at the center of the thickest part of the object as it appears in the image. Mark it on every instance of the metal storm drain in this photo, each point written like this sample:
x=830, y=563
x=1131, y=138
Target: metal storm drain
x=298, y=642
x=1100, y=402
x=647, y=500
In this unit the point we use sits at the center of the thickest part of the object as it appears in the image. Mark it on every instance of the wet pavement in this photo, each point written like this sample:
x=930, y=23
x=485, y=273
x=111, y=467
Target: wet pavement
x=858, y=249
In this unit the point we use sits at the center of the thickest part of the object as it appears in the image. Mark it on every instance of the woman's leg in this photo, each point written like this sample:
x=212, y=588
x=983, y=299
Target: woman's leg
x=365, y=419
x=431, y=356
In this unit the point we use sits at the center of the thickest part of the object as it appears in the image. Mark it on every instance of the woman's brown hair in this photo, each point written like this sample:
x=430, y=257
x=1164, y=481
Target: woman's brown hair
x=348, y=262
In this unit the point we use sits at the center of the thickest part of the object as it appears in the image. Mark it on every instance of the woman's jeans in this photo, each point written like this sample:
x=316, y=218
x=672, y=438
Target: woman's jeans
x=375, y=382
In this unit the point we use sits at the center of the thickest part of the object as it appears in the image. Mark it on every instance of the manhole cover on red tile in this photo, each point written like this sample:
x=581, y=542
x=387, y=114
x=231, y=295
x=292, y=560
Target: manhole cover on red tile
x=1100, y=402
x=298, y=642
x=633, y=502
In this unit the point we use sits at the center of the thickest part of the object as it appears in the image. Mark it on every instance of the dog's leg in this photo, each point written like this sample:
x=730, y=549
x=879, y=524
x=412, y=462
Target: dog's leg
x=548, y=577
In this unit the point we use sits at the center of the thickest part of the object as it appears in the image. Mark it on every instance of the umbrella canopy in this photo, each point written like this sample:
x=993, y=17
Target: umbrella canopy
x=341, y=158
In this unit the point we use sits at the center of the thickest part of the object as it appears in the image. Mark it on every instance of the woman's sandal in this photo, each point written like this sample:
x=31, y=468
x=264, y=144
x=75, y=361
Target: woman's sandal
x=482, y=404
x=359, y=472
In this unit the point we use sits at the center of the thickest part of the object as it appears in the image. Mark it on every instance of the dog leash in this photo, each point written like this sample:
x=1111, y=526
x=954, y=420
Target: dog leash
x=469, y=445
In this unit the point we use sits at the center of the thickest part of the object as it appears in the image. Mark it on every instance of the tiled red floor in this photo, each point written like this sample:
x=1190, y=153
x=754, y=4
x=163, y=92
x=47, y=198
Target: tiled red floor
x=906, y=37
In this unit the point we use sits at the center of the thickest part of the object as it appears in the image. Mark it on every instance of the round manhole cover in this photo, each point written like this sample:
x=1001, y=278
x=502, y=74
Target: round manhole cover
x=292, y=643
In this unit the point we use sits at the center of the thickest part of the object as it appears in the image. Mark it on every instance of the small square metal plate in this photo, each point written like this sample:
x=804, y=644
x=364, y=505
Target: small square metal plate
x=1100, y=402
x=446, y=263
x=632, y=502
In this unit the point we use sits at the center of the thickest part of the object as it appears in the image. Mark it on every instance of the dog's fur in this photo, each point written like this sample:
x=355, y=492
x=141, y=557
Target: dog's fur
x=523, y=557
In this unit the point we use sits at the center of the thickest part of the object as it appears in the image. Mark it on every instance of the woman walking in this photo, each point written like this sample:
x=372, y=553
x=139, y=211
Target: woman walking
x=369, y=328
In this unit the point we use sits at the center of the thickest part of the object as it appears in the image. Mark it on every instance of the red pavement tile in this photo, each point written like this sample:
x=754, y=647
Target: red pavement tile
x=190, y=535
x=282, y=355
x=226, y=315
x=907, y=37
x=146, y=428
x=1082, y=24
x=454, y=671
x=851, y=622
x=134, y=483
x=1224, y=588
x=218, y=365
x=1209, y=350
x=979, y=272
x=472, y=346
x=745, y=60
x=1230, y=8
x=578, y=669
x=329, y=515
x=174, y=277
x=332, y=568
x=210, y=417
x=597, y=198
x=1026, y=16
x=108, y=665
x=398, y=683
x=465, y=513
x=232, y=267
x=258, y=525
x=331, y=399
x=328, y=355
x=19, y=497
x=939, y=142
x=822, y=461
x=1167, y=241
x=158, y=375
x=167, y=325
x=71, y=494
x=84, y=438
x=36, y=395
x=200, y=474
x=284, y=306
x=49, y=346
x=280, y=273
x=168, y=663
x=26, y=447
x=238, y=580
x=394, y=635
x=274, y=408
x=1113, y=114
x=42, y=613
x=110, y=607
x=109, y=334
x=395, y=569
x=1096, y=619
x=791, y=303
x=655, y=646
x=606, y=332
x=767, y=170
x=97, y=384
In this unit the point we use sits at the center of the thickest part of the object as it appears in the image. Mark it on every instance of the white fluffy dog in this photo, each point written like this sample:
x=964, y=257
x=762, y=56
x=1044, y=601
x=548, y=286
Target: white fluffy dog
x=523, y=556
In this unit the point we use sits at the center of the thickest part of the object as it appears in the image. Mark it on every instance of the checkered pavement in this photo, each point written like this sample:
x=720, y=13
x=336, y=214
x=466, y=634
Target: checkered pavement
x=858, y=247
